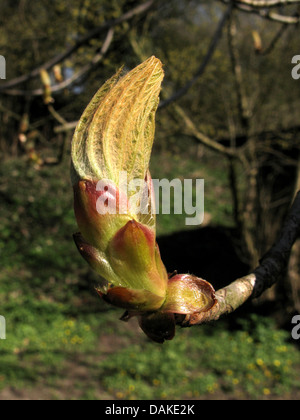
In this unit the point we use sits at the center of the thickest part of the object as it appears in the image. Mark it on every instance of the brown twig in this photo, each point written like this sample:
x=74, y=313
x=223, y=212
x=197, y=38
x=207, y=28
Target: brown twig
x=202, y=138
x=271, y=267
x=242, y=100
x=70, y=126
x=267, y=3
x=69, y=51
x=269, y=15
x=275, y=40
x=71, y=80
x=212, y=47
x=264, y=9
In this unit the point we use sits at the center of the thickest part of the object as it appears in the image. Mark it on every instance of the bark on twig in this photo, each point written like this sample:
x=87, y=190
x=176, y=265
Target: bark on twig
x=267, y=3
x=270, y=15
x=265, y=10
x=271, y=267
x=202, y=138
x=242, y=100
x=83, y=72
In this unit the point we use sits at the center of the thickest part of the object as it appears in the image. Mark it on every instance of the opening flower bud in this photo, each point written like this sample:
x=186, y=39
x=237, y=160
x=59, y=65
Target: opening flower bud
x=118, y=238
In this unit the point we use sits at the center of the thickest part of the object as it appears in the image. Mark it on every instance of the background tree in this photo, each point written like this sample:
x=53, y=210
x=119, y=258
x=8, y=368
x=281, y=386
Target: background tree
x=222, y=89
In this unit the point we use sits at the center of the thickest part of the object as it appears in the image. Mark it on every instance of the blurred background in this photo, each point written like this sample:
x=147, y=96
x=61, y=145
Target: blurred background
x=229, y=113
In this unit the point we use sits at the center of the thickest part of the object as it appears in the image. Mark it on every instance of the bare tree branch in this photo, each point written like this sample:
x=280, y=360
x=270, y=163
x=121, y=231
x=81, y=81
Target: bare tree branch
x=56, y=115
x=202, y=138
x=69, y=51
x=272, y=266
x=213, y=45
x=242, y=100
x=275, y=40
x=263, y=9
x=275, y=17
x=267, y=3
x=248, y=212
x=66, y=127
x=268, y=14
x=71, y=80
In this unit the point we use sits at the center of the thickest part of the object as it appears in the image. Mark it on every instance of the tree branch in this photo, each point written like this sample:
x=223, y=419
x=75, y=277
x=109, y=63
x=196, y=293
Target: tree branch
x=213, y=45
x=267, y=3
x=268, y=14
x=263, y=9
x=242, y=100
x=272, y=266
x=71, y=80
x=66, y=127
x=275, y=40
x=202, y=138
x=69, y=51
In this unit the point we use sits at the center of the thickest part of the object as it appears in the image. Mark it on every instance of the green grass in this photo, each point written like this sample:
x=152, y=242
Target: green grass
x=63, y=342
x=253, y=361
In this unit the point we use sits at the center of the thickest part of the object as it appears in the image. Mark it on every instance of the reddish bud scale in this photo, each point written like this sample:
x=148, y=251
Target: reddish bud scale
x=95, y=227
